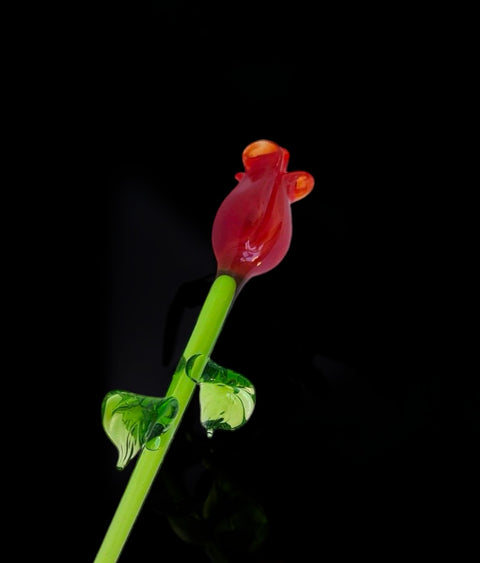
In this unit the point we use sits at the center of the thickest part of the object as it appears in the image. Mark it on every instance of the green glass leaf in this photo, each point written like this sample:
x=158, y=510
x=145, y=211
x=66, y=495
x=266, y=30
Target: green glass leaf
x=227, y=399
x=134, y=421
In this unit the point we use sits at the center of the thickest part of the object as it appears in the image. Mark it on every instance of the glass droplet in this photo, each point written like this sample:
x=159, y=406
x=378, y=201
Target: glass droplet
x=227, y=399
x=134, y=421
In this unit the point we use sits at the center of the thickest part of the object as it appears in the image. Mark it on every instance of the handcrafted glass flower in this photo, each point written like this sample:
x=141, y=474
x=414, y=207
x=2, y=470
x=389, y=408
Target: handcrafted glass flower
x=251, y=234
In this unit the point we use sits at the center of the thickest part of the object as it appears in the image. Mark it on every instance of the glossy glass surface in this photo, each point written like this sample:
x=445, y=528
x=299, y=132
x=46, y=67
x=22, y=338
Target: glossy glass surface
x=227, y=399
x=133, y=421
x=252, y=229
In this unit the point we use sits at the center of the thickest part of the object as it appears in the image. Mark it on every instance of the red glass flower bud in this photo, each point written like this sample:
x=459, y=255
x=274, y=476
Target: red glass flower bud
x=252, y=229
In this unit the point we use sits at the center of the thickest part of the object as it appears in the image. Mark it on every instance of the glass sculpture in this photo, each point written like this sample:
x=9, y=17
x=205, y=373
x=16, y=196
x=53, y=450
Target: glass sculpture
x=251, y=234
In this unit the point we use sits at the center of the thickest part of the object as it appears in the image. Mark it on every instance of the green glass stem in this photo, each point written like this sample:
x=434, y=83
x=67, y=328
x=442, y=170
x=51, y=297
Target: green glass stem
x=202, y=340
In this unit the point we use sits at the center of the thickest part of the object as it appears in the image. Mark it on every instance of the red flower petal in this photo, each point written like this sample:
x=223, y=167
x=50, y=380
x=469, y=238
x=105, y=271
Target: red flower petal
x=252, y=229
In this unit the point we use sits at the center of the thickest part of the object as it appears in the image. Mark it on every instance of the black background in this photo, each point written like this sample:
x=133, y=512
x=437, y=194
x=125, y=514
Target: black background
x=361, y=443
